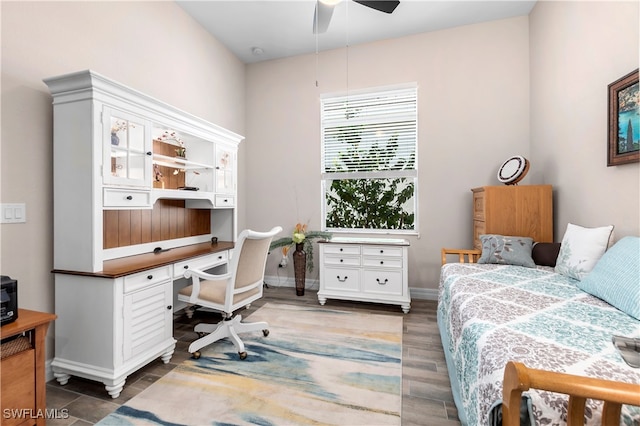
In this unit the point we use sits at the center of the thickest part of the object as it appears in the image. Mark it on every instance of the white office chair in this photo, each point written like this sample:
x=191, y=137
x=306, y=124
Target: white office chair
x=241, y=285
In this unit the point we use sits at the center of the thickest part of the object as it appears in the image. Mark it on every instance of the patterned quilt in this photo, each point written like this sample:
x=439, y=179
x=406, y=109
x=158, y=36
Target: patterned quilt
x=496, y=313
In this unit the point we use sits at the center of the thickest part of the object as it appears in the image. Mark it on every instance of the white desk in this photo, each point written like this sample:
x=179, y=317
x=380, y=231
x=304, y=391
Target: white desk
x=113, y=322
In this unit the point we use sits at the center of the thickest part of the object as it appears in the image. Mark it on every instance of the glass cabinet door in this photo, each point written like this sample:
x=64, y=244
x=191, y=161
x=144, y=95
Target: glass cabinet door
x=225, y=169
x=127, y=149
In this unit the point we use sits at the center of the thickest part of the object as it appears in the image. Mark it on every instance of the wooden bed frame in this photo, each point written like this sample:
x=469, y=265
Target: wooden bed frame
x=472, y=256
x=519, y=378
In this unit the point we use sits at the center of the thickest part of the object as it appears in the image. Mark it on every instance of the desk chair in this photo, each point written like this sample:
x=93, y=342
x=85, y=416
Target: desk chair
x=241, y=285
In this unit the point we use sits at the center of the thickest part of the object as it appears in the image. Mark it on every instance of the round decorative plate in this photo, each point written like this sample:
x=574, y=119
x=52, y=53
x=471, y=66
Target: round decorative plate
x=513, y=170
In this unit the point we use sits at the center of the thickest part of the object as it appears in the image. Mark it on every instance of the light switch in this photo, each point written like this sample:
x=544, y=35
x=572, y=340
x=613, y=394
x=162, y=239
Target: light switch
x=13, y=213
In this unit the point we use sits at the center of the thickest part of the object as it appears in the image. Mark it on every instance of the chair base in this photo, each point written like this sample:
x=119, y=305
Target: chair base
x=227, y=328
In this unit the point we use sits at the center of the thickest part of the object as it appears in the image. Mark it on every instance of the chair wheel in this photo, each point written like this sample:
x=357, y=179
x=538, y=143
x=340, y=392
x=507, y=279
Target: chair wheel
x=243, y=355
x=265, y=332
x=196, y=355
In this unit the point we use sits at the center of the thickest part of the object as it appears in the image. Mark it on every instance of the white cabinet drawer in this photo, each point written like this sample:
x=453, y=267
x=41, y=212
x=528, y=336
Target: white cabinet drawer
x=225, y=201
x=382, y=251
x=342, y=260
x=201, y=263
x=383, y=262
x=341, y=249
x=382, y=282
x=146, y=279
x=342, y=279
x=126, y=198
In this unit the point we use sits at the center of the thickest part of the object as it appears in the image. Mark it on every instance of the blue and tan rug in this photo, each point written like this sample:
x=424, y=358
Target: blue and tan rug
x=317, y=366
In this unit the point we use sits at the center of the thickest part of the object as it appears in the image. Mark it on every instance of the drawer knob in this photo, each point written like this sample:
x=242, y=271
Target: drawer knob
x=341, y=260
x=341, y=249
x=169, y=307
x=129, y=197
x=343, y=279
x=149, y=153
x=381, y=251
x=382, y=262
x=186, y=266
x=386, y=280
x=149, y=277
x=219, y=257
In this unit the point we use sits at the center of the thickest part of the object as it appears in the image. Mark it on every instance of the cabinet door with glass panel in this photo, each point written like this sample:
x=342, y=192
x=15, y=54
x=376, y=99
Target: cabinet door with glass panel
x=225, y=169
x=127, y=149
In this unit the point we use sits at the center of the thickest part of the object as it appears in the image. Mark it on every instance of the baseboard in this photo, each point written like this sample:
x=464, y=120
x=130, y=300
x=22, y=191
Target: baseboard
x=277, y=281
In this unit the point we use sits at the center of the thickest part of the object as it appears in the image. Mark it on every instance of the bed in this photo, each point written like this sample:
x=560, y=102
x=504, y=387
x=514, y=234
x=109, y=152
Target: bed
x=490, y=314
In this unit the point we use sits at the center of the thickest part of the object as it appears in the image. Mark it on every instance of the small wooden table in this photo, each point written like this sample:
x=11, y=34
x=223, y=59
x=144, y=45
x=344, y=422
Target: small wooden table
x=22, y=378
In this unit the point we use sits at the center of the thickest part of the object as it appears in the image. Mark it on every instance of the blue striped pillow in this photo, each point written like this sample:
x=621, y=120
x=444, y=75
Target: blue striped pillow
x=616, y=277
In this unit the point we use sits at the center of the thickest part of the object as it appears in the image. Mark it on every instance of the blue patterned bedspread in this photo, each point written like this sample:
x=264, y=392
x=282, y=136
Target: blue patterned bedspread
x=496, y=313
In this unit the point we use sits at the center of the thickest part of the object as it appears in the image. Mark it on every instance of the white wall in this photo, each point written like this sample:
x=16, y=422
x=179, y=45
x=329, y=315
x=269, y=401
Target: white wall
x=154, y=47
x=473, y=107
x=577, y=50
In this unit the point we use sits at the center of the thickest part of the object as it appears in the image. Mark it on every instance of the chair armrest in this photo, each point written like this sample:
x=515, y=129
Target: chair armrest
x=472, y=255
x=195, y=276
x=204, y=275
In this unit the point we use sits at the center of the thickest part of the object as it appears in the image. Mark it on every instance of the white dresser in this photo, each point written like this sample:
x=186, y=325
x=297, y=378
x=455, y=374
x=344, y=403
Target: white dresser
x=365, y=269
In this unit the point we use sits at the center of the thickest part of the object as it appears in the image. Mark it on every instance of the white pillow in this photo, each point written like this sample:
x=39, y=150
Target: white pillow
x=581, y=249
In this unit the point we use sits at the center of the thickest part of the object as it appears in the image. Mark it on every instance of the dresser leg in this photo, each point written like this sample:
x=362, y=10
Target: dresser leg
x=322, y=300
x=406, y=307
x=62, y=378
x=115, y=389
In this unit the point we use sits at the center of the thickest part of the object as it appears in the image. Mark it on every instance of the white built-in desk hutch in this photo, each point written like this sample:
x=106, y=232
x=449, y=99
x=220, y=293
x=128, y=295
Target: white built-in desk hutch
x=140, y=190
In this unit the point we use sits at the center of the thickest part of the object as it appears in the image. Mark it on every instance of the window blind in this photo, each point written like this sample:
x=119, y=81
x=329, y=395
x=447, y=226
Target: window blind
x=369, y=132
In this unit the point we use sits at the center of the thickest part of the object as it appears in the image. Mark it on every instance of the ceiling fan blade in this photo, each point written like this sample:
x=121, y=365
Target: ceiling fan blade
x=322, y=17
x=381, y=5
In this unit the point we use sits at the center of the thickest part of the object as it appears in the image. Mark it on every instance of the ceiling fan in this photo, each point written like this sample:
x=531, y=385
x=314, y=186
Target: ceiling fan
x=324, y=11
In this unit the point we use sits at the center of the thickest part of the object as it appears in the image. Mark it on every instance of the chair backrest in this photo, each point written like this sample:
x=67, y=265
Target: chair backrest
x=249, y=259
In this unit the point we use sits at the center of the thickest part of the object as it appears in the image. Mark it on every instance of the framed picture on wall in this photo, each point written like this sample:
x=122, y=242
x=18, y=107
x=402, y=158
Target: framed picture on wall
x=624, y=121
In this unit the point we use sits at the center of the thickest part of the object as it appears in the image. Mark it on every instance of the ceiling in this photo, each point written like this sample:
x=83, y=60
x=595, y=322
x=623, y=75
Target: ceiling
x=285, y=28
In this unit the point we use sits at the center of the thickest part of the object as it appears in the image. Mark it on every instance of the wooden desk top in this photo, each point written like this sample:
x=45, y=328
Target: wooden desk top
x=27, y=320
x=141, y=262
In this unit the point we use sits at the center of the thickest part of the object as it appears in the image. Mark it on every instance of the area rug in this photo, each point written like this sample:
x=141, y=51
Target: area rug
x=317, y=366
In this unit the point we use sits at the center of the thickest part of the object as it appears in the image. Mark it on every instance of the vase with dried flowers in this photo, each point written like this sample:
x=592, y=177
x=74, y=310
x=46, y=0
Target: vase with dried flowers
x=302, y=240
x=181, y=150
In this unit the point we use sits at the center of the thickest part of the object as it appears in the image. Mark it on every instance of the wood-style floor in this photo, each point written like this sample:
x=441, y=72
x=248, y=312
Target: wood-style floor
x=426, y=391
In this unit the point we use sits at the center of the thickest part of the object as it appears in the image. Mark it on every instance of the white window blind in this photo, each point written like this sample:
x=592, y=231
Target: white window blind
x=369, y=160
x=369, y=132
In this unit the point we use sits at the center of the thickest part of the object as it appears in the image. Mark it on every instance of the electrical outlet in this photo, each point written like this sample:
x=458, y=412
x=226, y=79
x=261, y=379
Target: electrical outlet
x=13, y=213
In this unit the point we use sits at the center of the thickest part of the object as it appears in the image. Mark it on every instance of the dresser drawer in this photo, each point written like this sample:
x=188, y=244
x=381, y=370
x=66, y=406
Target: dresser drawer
x=201, y=263
x=479, y=227
x=382, y=282
x=382, y=251
x=478, y=206
x=126, y=198
x=342, y=279
x=383, y=262
x=341, y=249
x=342, y=260
x=145, y=279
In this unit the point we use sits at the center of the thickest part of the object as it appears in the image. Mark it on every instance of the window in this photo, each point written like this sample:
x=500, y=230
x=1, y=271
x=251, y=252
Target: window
x=369, y=161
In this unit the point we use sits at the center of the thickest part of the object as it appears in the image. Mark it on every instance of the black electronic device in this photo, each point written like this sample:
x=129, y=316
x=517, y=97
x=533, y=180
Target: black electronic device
x=8, y=300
